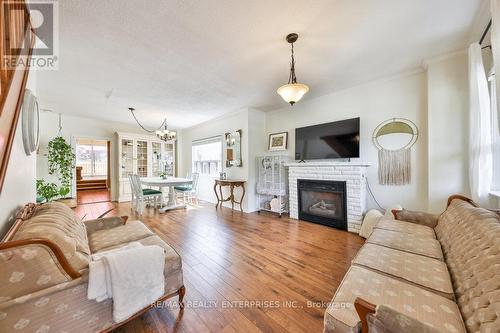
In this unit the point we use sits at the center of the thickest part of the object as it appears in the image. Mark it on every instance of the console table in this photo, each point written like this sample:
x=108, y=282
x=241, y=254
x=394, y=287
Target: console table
x=232, y=184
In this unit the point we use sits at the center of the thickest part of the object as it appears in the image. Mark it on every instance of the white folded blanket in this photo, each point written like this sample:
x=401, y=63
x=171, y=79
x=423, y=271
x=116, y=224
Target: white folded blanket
x=132, y=275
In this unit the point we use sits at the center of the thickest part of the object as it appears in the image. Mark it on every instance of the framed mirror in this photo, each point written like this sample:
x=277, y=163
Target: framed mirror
x=30, y=122
x=233, y=149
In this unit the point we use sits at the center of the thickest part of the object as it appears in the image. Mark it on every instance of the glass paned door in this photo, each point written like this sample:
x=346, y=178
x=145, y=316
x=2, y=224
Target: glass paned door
x=142, y=158
x=92, y=156
x=127, y=147
x=168, y=159
x=156, y=167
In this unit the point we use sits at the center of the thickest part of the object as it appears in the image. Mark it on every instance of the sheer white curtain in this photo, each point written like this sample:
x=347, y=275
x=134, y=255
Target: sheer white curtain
x=495, y=132
x=495, y=42
x=480, y=167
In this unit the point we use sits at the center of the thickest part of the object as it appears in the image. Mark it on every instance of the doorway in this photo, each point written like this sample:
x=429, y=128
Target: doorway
x=93, y=179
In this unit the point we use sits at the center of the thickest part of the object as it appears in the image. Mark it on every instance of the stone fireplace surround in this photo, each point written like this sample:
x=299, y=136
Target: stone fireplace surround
x=353, y=173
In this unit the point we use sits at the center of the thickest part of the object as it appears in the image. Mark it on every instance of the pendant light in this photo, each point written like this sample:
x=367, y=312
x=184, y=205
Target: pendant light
x=292, y=92
x=161, y=132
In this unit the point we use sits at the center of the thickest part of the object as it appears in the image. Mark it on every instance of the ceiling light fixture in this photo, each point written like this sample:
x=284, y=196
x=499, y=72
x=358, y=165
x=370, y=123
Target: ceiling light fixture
x=292, y=92
x=161, y=132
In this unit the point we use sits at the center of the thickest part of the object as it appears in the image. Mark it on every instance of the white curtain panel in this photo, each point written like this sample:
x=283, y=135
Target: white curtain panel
x=480, y=165
x=495, y=41
x=495, y=133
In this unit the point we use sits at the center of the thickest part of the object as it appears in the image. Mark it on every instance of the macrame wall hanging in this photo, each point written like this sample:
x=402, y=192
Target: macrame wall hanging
x=394, y=139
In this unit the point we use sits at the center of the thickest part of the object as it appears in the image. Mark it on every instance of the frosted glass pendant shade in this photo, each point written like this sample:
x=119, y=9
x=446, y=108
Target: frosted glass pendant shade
x=292, y=92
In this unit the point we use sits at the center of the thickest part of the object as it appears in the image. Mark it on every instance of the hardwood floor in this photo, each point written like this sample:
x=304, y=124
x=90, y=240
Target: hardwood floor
x=279, y=266
x=92, y=196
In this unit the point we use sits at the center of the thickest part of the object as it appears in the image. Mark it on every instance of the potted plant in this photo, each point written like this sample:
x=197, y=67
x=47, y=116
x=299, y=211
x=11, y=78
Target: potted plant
x=61, y=162
x=46, y=191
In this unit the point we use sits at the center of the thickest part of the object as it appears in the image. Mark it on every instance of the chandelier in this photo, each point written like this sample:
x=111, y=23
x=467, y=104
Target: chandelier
x=292, y=92
x=161, y=132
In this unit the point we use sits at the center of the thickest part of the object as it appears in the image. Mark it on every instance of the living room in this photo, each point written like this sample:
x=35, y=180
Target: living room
x=257, y=166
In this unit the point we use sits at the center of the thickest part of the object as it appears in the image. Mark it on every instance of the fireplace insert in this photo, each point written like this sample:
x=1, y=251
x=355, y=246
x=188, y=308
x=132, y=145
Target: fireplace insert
x=323, y=202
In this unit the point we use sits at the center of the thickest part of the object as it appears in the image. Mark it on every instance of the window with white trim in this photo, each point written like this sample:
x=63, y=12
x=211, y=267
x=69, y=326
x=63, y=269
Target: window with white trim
x=207, y=156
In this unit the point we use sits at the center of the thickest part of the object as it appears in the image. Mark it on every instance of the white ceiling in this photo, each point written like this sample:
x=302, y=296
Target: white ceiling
x=193, y=60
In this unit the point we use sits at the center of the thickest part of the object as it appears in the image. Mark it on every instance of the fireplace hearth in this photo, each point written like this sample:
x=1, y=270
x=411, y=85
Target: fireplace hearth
x=323, y=202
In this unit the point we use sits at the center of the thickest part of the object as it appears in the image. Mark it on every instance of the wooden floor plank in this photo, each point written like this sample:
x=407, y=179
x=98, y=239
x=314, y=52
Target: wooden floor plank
x=244, y=272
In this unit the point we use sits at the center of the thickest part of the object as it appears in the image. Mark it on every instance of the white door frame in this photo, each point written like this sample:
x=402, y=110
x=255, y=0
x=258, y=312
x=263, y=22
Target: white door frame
x=74, y=137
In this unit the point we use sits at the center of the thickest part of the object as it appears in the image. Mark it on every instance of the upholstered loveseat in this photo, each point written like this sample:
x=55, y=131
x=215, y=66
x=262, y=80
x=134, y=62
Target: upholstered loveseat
x=433, y=274
x=44, y=261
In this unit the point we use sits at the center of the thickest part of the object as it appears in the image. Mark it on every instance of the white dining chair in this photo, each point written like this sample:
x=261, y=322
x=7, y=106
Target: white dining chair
x=140, y=196
x=189, y=192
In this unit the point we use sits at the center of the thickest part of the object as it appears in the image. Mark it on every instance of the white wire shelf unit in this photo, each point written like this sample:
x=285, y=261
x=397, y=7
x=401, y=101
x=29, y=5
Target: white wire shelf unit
x=272, y=183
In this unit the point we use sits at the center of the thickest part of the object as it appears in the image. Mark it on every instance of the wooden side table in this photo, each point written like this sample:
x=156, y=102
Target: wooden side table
x=232, y=184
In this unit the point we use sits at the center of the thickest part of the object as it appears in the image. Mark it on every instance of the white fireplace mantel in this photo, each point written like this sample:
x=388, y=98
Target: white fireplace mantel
x=353, y=173
x=326, y=164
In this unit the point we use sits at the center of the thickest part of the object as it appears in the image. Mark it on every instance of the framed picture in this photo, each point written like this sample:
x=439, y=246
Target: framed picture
x=278, y=141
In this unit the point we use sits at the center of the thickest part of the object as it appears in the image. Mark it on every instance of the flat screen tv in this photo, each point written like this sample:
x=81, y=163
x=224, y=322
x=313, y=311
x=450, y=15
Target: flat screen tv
x=339, y=139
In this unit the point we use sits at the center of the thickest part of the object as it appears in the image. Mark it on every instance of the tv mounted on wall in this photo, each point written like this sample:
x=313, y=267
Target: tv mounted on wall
x=339, y=139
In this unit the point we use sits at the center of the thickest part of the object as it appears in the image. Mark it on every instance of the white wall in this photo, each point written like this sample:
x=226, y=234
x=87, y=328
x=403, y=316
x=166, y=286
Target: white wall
x=216, y=127
x=257, y=146
x=435, y=100
x=79, y=127
x=251, y=122
x=403, y=96
x=448, y=129
x=19, y=184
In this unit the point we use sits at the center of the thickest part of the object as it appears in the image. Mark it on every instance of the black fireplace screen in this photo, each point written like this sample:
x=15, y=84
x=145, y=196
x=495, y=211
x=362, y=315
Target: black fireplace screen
x=323, y=202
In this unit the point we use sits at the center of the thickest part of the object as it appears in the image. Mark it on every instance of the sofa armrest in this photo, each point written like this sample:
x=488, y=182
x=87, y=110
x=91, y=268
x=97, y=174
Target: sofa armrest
x=388, y=320
x=417, y=217
x=31, y=265
x=104, y=223
x=364, y=308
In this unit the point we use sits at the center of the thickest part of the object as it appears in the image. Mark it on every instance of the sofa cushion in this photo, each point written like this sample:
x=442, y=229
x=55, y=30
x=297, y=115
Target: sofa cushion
x=417, y=303
x=470, y=237
x=108, y=238
x=407, y=242
x=421, y=271
x=406, y=227
x=58, y=223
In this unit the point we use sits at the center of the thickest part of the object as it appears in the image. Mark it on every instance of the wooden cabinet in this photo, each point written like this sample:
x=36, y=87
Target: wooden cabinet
x=144, y=155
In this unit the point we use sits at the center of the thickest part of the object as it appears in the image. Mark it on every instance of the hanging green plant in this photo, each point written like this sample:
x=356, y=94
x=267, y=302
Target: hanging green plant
x=61, y=163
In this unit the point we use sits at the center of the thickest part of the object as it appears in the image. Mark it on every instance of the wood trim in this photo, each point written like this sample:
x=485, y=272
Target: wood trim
x=460, y=197
x=180, y=292
x=25, y=213
x=364, y=308
x=105, y=213
x=12, y=131
x=52, y=246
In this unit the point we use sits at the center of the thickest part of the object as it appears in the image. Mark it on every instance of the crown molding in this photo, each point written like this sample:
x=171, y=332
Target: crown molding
x=443, y=57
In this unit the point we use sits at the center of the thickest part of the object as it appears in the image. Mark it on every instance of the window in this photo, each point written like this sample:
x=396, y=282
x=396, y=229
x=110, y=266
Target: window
x=207, y=156
x=92, y=156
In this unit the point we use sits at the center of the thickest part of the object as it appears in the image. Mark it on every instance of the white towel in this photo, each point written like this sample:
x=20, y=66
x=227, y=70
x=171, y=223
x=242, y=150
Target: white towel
x=133, y=277
x=98, y=288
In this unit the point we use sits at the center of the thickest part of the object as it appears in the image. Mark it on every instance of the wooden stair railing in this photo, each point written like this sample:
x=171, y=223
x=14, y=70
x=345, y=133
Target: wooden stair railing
x=16, y=46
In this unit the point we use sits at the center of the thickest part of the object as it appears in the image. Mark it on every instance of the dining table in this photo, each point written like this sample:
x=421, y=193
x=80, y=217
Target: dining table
x=169, y=182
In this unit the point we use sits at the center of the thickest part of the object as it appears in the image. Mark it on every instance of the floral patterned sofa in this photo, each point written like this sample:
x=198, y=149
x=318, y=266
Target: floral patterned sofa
x=44, y=262
x=431, y=274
